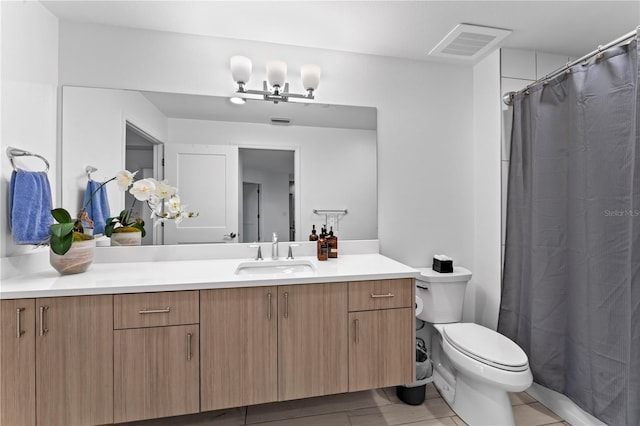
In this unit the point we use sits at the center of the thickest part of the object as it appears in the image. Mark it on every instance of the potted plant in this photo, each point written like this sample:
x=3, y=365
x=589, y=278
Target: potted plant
x=71, y=250
x=128, y=228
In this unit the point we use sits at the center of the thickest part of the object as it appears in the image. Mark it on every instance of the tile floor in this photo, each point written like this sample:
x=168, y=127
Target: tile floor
x=380, y=407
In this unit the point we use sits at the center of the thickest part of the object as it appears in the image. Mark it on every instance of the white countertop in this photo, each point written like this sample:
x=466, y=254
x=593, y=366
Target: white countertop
x=152, y=276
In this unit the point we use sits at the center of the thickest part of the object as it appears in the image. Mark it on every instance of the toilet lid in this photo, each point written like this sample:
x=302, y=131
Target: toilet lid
x=486, y=346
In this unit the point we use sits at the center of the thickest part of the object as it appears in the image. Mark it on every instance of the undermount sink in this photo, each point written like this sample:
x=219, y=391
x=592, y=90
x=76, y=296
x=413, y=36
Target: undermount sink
x=260, y=267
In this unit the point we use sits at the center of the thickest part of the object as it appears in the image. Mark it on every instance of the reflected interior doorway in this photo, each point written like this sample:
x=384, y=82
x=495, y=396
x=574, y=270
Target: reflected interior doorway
x=271, y=171
x=144, y=153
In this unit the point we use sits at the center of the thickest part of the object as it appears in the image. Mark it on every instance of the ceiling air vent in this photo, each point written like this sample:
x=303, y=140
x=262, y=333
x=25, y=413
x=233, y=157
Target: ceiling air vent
x=280, y=120
x=469, y=42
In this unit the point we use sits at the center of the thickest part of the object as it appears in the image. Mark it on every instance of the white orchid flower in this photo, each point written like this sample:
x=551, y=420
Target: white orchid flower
x=124, y=179
x=164, y=190
x=173, y=205
x=143, y=189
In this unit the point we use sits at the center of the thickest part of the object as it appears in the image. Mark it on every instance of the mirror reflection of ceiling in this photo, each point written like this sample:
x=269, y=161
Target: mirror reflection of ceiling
x=217, y=108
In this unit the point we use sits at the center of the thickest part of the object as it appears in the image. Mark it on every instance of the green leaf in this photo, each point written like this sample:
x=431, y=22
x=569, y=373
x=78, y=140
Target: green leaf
x=60, y=230
x=61, y=245
x=140, y=226
x=110, y=224
x=61, y=215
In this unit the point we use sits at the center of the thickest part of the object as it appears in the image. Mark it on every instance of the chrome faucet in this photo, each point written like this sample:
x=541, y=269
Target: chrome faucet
x=274, y=246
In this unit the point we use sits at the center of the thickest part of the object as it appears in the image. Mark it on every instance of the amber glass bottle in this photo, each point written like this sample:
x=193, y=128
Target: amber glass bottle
x=313, y=236
x=323, y=248
x=332, y=242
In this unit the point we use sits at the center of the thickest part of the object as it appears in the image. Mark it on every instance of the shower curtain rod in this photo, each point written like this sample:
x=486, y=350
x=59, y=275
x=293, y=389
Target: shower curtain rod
x=507, y=98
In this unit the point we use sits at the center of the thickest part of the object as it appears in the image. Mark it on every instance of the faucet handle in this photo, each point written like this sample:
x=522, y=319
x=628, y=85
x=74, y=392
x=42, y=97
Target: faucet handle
x=259, y=254
x=290, y=253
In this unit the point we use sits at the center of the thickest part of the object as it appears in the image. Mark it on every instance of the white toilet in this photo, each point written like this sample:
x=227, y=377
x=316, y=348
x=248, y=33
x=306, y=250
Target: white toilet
x=473, y=366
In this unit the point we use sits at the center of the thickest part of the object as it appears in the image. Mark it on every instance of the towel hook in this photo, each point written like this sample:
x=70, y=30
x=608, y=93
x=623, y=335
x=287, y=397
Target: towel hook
x=90, y=169
x=16, y=152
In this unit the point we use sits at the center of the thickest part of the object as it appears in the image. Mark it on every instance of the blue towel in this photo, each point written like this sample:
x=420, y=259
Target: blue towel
x=29, y=207
x=98, y=208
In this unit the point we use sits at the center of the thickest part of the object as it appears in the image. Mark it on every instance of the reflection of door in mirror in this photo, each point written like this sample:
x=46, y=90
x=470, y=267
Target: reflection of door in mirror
x=250, y=212
x=207, y=180
x=273, y=171
x=143, y=154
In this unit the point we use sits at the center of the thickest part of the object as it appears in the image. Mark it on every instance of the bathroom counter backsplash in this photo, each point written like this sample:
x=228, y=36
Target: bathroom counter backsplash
x=172, y=275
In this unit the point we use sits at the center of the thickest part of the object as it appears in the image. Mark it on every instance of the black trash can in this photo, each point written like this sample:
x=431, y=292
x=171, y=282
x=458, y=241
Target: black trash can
x=414, y=393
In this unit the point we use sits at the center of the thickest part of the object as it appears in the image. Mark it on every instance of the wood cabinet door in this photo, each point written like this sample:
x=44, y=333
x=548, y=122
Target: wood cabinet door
x=381, y=348
x=238, y=340
x=156, y=372
x=312, y=340
x=17, y=362
x=74, y=360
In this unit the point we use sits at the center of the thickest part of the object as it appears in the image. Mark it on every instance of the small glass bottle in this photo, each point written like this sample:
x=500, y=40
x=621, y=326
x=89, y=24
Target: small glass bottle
x=313, y=236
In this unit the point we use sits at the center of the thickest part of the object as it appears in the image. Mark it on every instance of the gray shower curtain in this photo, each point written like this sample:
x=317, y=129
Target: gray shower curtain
x=571, y=282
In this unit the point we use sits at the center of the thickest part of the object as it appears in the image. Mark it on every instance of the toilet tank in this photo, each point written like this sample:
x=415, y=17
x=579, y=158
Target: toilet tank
x=442, y=294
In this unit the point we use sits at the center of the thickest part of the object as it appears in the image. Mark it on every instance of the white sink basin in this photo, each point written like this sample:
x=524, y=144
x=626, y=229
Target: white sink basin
x=261, y=267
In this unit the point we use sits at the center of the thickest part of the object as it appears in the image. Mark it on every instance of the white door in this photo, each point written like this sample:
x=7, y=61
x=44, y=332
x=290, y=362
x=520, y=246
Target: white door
x=207, y=180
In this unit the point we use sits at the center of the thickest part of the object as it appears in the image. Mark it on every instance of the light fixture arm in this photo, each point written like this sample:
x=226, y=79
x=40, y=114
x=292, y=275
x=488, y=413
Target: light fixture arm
x=276, y=95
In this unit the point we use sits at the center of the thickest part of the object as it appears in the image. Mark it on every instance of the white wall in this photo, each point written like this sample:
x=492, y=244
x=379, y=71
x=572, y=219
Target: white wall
x=327, y=181
x=275, y=202
x=425, y=143
x=94, y=123
x=28, y=97
x=483, y=294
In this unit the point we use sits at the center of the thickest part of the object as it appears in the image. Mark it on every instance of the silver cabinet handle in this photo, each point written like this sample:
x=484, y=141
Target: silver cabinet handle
x=189, y=352
x=269, y=306
x=286, y=304
x=19, y=330
x=43, y=329
x=155, y=311
x=357, y=331
x=376, y=296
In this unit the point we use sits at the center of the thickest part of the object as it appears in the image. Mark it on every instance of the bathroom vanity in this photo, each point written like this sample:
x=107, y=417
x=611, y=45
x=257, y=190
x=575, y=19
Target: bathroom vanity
x=142, y=340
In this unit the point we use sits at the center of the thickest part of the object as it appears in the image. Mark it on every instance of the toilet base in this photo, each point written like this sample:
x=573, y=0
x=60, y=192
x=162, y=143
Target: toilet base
x=478, y=403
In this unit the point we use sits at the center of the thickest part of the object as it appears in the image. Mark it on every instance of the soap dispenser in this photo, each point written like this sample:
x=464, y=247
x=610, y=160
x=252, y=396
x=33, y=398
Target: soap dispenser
x=332, y=242
x=323, y=248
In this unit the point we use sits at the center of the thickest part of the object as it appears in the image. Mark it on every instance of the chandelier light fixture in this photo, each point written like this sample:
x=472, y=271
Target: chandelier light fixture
x=275, y=88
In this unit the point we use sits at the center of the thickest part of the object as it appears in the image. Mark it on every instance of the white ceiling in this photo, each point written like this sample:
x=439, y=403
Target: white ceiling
x=405, y=29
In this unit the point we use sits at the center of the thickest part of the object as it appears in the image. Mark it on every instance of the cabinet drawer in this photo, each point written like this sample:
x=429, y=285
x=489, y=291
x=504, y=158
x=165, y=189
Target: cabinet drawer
x=156, y=309
x=381, y=294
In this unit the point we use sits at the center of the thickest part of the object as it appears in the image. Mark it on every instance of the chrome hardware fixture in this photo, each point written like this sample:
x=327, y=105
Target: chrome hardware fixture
x=155, y=311
x=269, y=306
x=19, y=330
x=189, y=351
x=16, y=152
x=376, y=296
x=274, y=246
x=290, y=252
x=89, y=170
x=276, y=89
x=357, y=331
x=259, y=254
x=43, y=329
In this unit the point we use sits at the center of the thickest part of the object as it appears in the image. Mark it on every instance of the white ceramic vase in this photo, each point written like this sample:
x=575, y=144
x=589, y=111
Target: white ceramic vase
x=76, y=260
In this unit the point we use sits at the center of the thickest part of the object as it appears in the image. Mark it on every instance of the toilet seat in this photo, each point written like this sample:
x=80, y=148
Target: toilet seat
x=486, y=346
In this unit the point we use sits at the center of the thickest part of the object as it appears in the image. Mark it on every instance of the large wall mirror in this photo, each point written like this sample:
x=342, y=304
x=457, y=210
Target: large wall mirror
x=248, y=170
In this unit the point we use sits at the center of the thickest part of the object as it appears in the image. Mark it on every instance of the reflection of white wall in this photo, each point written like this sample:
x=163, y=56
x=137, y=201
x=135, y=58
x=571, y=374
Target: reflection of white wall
x=29, y=98
x=327, y=181
x=425, y=139
x=98, y=133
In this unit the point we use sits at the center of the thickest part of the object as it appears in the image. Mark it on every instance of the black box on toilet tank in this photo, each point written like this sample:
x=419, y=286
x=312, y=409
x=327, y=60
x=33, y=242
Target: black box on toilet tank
x=442, y=266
